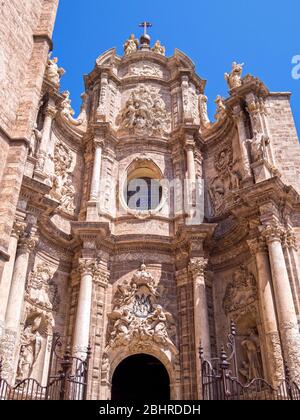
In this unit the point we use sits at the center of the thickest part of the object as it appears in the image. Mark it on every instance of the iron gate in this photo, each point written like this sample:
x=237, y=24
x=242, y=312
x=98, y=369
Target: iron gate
x=220, y=379
x=67, y=379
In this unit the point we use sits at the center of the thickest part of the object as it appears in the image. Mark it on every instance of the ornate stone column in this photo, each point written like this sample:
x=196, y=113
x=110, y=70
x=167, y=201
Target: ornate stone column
x=18, y=230
x=290, y=251
x=87, y=268
x=43, y=150
x=240, y=122
x=15, y=305
x=16, y=294
x=197, y=267
x=96, y=177
x=273, y=360
x=288, y=325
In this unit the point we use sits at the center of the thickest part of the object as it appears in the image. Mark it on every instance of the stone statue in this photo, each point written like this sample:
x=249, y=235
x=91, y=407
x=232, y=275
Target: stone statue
x=221, y=108
x=251, y=366
x=35, y=140
x=259, y=145
x=67, y=112
x=53, y=72
x=144, y=278
x=122, y=327
x=157, y=325
x=234, y=79
x=131, y=45
x=159, y=49
x=204, y=120
x=31, y=343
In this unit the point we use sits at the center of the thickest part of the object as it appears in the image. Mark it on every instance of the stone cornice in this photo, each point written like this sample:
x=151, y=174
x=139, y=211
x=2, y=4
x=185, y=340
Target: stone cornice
x=43, y=37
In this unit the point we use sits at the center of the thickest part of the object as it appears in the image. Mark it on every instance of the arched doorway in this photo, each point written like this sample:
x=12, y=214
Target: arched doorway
x=141, y=377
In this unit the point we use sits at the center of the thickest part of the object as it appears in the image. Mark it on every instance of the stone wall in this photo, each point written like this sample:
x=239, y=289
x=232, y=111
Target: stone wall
x=284, y=138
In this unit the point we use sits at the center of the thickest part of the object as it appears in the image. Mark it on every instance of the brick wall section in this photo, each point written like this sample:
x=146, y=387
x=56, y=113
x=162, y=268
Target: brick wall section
x=284, y=138
x=25, y=59
x=19, y=20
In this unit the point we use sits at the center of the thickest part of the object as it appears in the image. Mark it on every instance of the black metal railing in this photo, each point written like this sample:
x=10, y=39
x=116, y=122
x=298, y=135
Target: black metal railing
x=67, y=379
x=220, y=379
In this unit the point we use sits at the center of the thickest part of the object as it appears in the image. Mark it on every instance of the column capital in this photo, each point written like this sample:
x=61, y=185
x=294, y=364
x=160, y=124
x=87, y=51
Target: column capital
x=18, y=229
x=51, y=111
x=189, y=145
x=289, y=239
x=87, y=266
x=99, y=143
x=197, y=266
x=272, y=233
x=28, y=244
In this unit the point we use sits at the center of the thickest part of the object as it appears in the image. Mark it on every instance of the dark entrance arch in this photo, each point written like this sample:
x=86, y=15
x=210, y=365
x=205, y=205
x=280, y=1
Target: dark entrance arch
x=141, y=377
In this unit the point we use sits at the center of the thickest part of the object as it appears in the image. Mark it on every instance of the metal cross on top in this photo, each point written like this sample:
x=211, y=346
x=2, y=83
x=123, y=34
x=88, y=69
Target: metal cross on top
x=145, y=25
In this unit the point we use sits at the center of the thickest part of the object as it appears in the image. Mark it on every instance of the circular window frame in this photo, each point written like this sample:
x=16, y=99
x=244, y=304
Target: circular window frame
x=142, y=168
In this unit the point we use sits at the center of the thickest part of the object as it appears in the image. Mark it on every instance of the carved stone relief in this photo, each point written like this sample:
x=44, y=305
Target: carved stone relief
x=227, y=180
x=145, y=112
x=137, y=317
x=240, y=292
x=63, y=189
x=145, y=69
x=41, y=291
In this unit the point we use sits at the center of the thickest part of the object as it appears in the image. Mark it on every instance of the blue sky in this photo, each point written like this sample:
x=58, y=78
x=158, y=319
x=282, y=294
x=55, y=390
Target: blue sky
x=262, y=34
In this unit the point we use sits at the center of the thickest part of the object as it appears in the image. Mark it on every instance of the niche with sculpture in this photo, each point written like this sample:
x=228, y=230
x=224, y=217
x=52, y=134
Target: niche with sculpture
x=241, y=306
x=41, y=304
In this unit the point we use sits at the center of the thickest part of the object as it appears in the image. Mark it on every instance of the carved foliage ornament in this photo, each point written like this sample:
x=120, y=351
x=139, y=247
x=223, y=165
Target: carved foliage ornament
x=145, y=112
x=137, y=318
x=240, y=292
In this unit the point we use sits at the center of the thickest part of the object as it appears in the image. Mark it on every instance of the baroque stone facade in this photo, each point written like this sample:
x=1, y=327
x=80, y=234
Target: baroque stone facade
x=154, y=276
